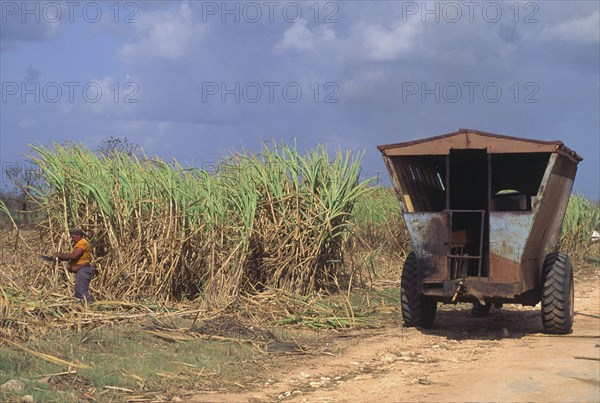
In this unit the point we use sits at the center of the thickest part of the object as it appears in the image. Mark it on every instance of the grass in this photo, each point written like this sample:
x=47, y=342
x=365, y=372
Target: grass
x=125, y=362
x=379, y=222
x=160, y=230
x=581, y=219
x=123, y=357
x=380, y=241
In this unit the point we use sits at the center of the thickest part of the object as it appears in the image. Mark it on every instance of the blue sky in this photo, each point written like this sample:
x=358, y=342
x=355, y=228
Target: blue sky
x=196, y=80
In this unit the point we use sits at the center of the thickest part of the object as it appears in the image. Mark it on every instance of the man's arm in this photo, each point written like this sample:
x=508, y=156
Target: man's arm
x=74, y=255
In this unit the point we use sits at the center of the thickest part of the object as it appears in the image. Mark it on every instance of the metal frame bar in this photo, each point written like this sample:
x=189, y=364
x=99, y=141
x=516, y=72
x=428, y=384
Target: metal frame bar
x=448, y=181
x=449, y=254
x=481, y=243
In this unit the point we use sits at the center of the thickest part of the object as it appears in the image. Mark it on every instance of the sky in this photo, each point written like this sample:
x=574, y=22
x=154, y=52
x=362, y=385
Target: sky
x=197, y=80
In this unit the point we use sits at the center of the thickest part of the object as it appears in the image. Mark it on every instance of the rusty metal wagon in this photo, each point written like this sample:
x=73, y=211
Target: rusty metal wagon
x=484, y=213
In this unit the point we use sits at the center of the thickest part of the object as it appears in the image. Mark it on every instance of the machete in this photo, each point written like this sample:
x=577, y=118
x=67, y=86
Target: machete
x=49, y=258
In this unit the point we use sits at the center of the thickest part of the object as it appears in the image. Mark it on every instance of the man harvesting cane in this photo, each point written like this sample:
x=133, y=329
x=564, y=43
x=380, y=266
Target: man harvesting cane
x=79, y=263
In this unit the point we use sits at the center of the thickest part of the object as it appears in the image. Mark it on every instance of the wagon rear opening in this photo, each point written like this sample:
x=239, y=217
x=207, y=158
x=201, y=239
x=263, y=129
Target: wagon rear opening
x=483, y=211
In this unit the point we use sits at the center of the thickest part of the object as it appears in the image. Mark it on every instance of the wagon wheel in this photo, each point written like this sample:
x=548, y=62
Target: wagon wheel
x=417, y=309
x=557, y=294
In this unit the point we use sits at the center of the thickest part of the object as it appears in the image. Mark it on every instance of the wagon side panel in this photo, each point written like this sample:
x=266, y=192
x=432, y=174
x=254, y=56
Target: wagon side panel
x=393, y=172
x=549, y=207
x=429, y=235
x=508, y=235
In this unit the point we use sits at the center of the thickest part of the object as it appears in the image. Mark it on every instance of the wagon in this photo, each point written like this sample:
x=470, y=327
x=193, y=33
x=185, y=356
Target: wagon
x=484, y=214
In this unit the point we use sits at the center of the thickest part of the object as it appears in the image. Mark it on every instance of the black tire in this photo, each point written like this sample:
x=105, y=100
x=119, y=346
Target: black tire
x=417, y=309
x=557, y=294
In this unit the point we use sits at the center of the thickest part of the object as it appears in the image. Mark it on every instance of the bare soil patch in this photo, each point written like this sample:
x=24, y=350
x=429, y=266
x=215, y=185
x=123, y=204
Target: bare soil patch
x=502, y=357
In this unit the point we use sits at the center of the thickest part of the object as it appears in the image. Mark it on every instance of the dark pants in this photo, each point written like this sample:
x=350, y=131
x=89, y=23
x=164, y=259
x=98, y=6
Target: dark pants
x=83, y=276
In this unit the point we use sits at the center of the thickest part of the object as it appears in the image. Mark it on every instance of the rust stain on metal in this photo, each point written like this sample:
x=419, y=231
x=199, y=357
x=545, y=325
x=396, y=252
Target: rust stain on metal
x=428, y=232
x=504, y=270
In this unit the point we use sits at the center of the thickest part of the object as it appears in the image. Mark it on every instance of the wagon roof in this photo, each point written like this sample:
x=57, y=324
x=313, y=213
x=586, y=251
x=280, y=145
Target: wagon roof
x=474, y=139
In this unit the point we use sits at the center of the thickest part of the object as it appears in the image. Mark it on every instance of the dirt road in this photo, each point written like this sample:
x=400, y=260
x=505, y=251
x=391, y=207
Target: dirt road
x=503, y=357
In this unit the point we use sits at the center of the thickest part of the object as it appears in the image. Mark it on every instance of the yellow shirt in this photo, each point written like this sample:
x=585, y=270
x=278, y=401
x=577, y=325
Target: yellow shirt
x=85, y=257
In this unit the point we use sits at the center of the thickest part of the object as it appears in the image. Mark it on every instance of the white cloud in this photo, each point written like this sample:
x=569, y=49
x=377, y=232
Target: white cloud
x=107, y=97
x=367, y=42
x=377, y=43
x=582, y=30
x=163, y=33
x=300, y=37
x=100, y=96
